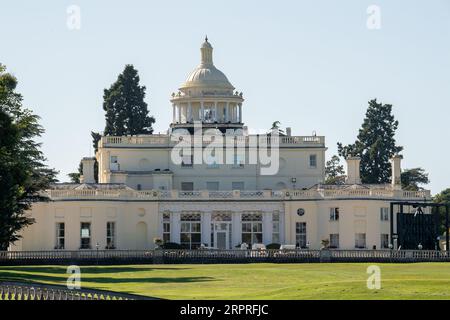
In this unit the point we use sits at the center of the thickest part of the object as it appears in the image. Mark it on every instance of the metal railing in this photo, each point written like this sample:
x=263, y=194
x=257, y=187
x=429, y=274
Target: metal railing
x=163, y=256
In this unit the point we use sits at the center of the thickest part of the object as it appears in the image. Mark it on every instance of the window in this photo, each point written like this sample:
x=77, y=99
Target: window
x=384, y=214
x=139, y=187
x=300, y=234
x=384, y=241
x=334, y=214
x=334, y=240
x=212, y=186
x=60, y=235
x=275, y=227
x=190, y=231
x=237, y=185
x=313, y=161
x=187, y=160
x=252, y=228
x=114, y=166
x=360, y=240
x=85, y=235
x=110, y=235
x=187, y=186
x=166, y=227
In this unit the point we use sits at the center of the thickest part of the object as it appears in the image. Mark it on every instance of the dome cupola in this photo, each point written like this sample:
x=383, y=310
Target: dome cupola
x=208, y=97
x=206, y=76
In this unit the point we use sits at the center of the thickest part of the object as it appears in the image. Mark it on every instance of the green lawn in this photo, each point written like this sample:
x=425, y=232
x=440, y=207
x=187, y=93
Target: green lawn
x=253, y=281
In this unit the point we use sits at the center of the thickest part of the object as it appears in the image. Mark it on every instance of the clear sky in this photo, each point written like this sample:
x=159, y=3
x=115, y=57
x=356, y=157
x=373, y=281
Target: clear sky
x=312, y=65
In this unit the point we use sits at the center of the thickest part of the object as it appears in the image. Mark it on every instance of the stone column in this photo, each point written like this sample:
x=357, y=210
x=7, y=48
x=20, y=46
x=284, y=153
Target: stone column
x=189, y=112
x=173, y=113
x=202, y=115
x=175, y=227
x=236, y=229
x=267, y=227
x=206, y=228
x=216, y=118
x=227, y=118
x=240, y=113
x=179, y=113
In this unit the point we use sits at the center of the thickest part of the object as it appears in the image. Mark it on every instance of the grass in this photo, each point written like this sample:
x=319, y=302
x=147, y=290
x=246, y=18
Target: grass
x=252, y=281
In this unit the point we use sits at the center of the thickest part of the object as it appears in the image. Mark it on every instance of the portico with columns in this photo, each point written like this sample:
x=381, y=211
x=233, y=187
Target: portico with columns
x=221, y=225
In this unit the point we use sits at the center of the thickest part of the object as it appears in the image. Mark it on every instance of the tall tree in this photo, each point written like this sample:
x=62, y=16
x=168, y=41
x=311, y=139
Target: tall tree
x=334, y=171
x=126, y=110
x=375, y=143
x=23, y=173
x=444, y=198
x=412, y=178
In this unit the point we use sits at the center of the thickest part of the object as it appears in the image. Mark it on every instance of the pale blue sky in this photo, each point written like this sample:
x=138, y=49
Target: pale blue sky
x=312, y=65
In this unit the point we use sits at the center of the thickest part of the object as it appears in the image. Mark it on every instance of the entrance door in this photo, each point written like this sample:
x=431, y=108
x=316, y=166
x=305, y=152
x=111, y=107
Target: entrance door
x=221, y=235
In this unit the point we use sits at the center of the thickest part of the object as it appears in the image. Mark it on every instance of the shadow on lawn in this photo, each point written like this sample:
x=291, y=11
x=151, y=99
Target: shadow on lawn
x=19, y=277
x=93, y=270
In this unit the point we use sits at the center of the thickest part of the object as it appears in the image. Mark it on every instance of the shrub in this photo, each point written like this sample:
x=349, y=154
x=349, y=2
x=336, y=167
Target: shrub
x=171, y=245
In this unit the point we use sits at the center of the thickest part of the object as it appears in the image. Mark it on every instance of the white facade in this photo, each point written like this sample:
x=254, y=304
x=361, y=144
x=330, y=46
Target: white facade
x=143, y=194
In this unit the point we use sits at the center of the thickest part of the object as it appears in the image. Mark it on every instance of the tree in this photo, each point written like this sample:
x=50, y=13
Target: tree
x=375, y=144
x=23, y=173
x=443, y=198
x=412, y=178
x=126, y=113
x=126, y=110
x=75, y=176
x=334, y=171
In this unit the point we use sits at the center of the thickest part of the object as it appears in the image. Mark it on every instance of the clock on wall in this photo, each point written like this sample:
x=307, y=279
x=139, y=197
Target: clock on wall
x=300, y=211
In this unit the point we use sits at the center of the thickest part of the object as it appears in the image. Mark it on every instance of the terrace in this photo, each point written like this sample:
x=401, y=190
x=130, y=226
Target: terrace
x=261, y=195
x=164, y=140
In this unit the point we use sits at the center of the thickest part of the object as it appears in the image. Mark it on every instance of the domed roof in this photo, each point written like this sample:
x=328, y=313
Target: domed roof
x=206, y=74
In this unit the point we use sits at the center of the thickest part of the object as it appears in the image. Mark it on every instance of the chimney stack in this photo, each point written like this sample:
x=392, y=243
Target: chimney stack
x=88, y=170
x=288, y=131
x=396, y=170
x=353, y=175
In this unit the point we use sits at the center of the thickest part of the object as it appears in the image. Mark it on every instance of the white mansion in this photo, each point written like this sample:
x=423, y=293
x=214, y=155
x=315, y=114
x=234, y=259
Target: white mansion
x=144, y=194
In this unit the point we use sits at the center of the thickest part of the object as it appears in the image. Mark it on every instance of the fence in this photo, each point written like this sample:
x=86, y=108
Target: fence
x=23, y=291
x=163, y=256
